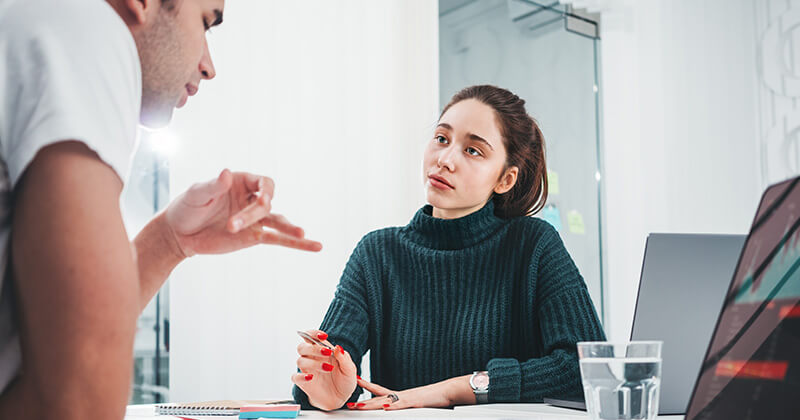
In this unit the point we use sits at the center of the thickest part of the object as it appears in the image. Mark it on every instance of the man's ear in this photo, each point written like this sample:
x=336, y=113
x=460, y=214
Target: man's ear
x=507, y=180
x=138, y=12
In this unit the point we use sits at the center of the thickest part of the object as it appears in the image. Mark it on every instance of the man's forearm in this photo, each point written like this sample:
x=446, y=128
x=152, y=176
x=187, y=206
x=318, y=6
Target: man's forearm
x=157, y=253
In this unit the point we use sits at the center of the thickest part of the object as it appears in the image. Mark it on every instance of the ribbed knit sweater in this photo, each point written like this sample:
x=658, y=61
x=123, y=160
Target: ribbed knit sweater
x=441, y=298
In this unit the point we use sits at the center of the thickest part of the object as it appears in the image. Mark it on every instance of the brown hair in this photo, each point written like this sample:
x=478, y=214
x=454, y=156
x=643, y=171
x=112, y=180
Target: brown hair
x=524, y=149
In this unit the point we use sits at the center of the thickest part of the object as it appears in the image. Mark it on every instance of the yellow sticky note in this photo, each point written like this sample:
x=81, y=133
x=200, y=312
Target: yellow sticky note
x=575, y=222
x=552, y=182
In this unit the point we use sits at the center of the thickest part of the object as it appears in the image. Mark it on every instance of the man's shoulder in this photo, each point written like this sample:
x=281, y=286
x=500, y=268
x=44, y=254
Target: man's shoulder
x=82, y=16
x=73, y=70
x=75, y=26
x=79, y=35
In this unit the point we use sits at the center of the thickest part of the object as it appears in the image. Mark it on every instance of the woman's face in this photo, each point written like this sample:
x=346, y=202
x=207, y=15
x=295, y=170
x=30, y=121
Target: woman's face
x=464, y=161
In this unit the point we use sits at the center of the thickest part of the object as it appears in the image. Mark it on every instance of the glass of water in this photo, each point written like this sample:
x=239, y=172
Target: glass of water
x=621, y=381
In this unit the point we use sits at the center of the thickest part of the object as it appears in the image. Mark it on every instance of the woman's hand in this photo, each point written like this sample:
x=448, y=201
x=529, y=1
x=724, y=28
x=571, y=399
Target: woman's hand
x=327, y=376
x=454, y=391
x=229, y=213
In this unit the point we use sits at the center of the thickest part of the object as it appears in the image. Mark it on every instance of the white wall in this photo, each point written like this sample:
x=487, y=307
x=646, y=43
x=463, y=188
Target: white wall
x=679, y=81
x=335, y=101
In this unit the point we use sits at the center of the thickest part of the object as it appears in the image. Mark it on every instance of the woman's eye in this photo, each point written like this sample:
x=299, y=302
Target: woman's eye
x=473, y=151
x=440, y=139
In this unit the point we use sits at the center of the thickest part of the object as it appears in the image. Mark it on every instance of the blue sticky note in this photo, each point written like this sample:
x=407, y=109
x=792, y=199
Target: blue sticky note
x=551, y=215
x=284, y=411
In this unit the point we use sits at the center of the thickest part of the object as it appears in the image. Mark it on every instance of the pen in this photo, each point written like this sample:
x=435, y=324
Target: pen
x=314, y=340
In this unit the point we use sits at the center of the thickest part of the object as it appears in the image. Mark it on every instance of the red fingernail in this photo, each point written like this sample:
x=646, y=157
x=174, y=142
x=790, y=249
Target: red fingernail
x=326, y=352
x=339, y=349
x=351, y=405
x=309, y=377
x=359, y=377
x=386, y=406
x=322, y=336
x=327, y=367
x=360, y=405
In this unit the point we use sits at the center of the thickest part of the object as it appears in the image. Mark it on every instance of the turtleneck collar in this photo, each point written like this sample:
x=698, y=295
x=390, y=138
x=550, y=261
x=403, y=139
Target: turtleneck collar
x=450, y=234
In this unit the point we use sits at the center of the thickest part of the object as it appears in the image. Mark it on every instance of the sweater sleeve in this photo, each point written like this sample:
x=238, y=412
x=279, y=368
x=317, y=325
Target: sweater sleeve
x=346, y=322
x=565, y=315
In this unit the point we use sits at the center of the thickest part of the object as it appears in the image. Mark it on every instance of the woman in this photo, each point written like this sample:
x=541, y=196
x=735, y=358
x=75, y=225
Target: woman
x=471, y=288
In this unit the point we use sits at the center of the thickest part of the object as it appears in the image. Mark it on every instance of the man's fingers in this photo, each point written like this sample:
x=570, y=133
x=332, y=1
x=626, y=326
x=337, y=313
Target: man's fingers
x=202, y=193
x=257, y=184
x=282, y=224
x=251, y=214
x=275, y=238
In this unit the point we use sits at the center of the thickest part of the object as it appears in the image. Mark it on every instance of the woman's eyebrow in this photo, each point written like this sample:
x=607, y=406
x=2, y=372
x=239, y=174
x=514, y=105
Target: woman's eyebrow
x=476, y=137
x=472, y=136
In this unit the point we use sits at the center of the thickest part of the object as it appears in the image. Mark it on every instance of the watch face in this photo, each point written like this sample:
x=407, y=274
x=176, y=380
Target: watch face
x=481, y=381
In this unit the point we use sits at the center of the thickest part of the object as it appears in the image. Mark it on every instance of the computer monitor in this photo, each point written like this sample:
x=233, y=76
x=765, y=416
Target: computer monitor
x=751, y=369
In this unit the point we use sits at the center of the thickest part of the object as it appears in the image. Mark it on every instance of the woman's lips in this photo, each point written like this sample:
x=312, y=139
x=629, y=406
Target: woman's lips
x=440, y=183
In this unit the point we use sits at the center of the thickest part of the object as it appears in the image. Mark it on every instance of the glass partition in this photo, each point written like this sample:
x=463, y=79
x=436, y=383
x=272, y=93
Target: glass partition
x=146, y=192
x=548, y=55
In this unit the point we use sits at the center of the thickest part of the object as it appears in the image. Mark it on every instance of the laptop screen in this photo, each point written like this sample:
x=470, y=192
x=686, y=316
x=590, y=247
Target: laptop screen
x=752, y=366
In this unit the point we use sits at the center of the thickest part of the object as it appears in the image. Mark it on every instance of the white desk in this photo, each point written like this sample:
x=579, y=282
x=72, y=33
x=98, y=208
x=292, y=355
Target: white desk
x=488, y=411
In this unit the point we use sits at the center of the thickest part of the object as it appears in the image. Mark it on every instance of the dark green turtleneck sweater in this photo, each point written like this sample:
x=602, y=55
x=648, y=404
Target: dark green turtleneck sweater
x=442, y=298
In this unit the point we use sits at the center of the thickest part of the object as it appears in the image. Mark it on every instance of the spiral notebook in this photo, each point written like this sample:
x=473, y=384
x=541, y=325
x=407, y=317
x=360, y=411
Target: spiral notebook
x=212, y=408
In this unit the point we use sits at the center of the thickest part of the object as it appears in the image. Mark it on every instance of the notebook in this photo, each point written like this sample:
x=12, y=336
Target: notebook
x=212, y=408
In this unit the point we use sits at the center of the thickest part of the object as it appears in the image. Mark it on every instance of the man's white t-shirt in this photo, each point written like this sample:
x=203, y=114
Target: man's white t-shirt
x=69, y=70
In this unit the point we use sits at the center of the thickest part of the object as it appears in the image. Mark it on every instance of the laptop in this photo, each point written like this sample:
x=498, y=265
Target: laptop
x=681, y=290
x=751, y=369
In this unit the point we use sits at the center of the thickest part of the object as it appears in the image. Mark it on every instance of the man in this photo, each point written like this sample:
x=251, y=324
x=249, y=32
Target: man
x=76, y=77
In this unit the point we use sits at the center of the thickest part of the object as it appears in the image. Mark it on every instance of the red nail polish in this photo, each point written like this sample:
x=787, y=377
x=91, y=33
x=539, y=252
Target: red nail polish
x=339, y=349
x=327, y=367
x=309, y=377
x=326, y=352
x=386, y=406
x=322, y=336
x=351, y=405
x=359, y=377
x=359, y=405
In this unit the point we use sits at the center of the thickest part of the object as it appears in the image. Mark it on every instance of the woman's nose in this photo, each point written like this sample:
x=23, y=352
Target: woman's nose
x=446, y=159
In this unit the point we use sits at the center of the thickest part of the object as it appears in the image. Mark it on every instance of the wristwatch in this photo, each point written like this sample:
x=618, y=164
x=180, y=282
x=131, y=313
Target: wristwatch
x=480, y=386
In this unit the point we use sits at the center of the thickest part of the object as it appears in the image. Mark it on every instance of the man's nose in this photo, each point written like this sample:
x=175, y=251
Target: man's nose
x=206, y=64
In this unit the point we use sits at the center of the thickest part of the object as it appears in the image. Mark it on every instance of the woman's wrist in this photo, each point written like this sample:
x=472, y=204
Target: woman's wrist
x=459, y=391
